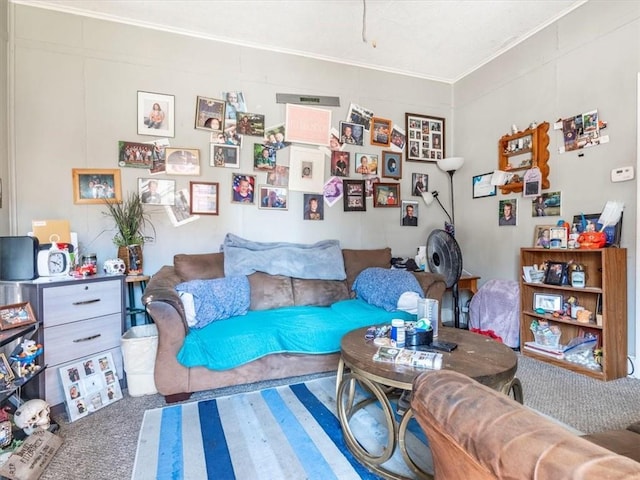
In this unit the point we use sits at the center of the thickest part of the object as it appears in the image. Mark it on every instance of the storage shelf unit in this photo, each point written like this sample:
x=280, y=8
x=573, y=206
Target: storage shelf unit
x=606, y=283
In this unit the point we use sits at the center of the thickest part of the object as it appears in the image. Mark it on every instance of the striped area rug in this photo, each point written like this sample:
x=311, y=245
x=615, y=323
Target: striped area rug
x=289, y=432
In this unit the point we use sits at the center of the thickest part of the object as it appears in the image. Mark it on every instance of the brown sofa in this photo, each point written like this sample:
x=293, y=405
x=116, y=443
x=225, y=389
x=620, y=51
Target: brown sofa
x=476, y=432
x=176, y=382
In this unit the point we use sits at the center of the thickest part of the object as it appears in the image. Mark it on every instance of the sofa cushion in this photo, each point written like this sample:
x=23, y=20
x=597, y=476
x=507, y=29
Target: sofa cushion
x=357, y=260
x=270, y=291
x=199, y=266
x=320, y=293
x=217, y=299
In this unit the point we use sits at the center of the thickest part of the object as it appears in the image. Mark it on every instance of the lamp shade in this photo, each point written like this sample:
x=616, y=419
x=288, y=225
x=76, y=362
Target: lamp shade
x=428, y=197
x=450, y=164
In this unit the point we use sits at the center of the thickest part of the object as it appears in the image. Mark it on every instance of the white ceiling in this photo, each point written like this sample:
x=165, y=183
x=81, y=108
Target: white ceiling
x=434, y=39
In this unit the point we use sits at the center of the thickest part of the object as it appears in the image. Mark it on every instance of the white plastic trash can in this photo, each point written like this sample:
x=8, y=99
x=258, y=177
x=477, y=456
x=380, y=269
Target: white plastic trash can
x=139, y=347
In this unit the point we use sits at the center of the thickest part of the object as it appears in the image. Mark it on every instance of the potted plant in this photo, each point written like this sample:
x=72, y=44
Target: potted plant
x=131, y=220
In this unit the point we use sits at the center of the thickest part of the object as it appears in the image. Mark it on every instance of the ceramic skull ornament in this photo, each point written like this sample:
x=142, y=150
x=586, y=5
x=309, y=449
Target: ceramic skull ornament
x=114, y=266
x=32, y=415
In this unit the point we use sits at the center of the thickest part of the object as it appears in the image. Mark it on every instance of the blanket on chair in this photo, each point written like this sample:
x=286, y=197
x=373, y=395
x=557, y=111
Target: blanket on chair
x=322, y=260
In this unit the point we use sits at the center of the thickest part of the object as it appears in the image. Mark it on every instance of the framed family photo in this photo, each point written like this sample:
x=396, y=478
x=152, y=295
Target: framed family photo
x=392, y=164
x=381, y=132
x=386, y=195
x=93, y=185
x=16, y=315
x=204, y=198
x=210, y=114
x=351, y=133
x=425, y=137
x=354, y=196
x=156, y=114
x=273, y=198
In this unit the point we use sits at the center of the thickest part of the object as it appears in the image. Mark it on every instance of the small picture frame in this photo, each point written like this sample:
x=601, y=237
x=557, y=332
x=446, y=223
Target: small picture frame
x=273, y=198
x=409, y=213
x=354, y=196
x=182, y=161
x=313, y=207
x=419, y=184
x=156, y=114
x=204, y=198
x=264, y=157
x=366, y=163
x=5, y=369
x=482, y=186
x=135, y=155
x=251, y=124
x=386, y=195
x=223, y=155
x=210, y=114
x=243, y=188
x=16, y=315
x=340, y=162
x=425, y=138
x=542, y=236
x=556, y=273
x=549, y=302
x=351, y=133
x=381, y=132
x=392, y=164
x=94, y=186
x=154, y=191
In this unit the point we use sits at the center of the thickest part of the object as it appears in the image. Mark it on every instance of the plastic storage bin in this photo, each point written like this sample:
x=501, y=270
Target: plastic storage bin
x=139, y=347
x=548, y=340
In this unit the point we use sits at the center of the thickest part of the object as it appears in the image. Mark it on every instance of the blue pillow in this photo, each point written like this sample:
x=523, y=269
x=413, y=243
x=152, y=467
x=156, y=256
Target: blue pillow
x=382, y=287
x=219, y=298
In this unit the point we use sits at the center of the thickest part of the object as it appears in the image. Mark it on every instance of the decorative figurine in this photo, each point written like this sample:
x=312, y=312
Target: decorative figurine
x=32, y=415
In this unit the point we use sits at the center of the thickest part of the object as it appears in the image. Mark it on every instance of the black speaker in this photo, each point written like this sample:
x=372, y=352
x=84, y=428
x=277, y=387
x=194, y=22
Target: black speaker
x=18, y=258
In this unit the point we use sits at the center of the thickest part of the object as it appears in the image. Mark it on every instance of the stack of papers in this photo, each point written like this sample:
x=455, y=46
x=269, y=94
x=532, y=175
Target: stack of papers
x=412, y=358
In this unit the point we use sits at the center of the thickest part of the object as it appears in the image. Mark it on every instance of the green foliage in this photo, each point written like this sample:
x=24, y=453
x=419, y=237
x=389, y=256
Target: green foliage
x=130, y=219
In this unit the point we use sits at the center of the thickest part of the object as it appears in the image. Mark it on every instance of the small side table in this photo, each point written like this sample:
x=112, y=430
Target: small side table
x=132, y=310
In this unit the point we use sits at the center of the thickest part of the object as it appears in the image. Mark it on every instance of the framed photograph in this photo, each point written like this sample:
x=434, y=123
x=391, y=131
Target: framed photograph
x=360, y=115
x=419, y=184
x=366, y=163
x=136, y=155
x=409, y=214
x=273, y=198
x=306, y=169
x=274, y=137
x=16, y=315
x=386, y=195
x=93, y=186
x=243, y=188
x=547, y=204
x=354, y=196
x=612, y=232
x=251, y=124
x=556, y=273
x=157, y=192
x=392, y=165
x=507, y=211
x=542, y=236
x=340, y=162
x=182, y=161
x=381, y=132
x=223, y=155
x=264, y=157
x=5, y=369
x=210, y=114
x=313, y=207
x=308, y=125
x=398, y=139
x=204, y=198
x=156, y=114
x=425, y=137
x=548, y=302
x=482, y=186
x=351, y=133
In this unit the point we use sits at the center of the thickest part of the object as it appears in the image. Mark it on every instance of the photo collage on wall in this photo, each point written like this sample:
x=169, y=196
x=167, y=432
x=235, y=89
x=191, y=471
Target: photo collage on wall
x=89, y=384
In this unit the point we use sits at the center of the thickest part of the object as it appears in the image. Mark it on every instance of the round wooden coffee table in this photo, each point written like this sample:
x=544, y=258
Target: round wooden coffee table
x=489, y=362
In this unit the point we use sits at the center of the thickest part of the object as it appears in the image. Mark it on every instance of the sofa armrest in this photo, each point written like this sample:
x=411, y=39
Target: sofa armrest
x=161, y=288
x=433, y=284
x=476, y=432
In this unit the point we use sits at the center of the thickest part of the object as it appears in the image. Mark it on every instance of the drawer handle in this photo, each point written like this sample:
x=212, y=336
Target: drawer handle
x=86, y=339
x=86, y=302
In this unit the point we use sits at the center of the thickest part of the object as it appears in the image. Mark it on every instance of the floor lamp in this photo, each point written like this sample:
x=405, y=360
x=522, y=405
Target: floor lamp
x=449, y=165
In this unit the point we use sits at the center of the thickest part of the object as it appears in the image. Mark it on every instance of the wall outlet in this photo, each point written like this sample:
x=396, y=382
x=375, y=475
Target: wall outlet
x=622, y=174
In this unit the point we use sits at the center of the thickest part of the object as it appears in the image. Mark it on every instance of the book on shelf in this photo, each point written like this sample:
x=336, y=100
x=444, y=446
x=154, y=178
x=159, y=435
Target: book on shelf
x=412, y=358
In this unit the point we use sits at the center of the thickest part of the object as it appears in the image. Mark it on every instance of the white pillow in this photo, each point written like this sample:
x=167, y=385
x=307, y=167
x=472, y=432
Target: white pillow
x=408, y=302
x=189, y=307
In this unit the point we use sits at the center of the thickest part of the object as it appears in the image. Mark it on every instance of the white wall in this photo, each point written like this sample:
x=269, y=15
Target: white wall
x=76, y=82
x=587, y=60
x=4, y=136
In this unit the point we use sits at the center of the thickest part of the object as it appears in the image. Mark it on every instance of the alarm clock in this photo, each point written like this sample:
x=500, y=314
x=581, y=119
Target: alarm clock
x=54, y=261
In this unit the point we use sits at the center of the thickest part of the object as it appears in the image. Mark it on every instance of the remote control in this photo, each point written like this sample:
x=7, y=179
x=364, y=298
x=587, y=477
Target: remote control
x=443, y=346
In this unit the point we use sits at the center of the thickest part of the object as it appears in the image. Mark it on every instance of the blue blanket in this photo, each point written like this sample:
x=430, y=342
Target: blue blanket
x=229, y=343
x=383, y=287
x=322, y=260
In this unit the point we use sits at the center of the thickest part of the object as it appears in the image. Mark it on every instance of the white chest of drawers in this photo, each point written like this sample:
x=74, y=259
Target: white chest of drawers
x=79, y=318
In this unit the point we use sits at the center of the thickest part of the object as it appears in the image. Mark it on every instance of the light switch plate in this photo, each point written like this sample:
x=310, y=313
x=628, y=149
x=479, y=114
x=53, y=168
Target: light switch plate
x=622, y=174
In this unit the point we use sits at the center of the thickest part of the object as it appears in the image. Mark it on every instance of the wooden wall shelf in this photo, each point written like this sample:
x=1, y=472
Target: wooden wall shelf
x=523, y=150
